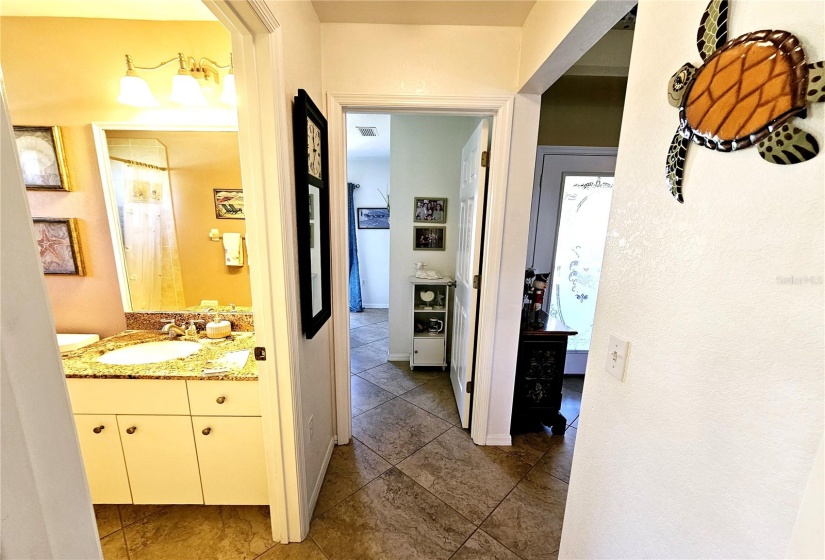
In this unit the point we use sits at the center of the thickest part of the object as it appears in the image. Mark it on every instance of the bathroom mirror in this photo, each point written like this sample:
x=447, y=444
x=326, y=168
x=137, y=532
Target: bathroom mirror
x=163, y=194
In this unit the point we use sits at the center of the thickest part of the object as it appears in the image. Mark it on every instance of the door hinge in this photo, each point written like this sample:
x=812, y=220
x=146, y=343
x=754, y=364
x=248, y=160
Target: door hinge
x=260, y=353
x=485, y=157
x=476, y=281
x=469, y=386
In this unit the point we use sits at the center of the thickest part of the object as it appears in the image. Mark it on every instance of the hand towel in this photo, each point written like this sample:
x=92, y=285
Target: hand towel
x=233, y=249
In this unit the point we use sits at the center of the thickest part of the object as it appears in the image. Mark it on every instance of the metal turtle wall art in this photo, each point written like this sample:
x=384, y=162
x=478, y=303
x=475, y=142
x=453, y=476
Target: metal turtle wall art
x=744, y=94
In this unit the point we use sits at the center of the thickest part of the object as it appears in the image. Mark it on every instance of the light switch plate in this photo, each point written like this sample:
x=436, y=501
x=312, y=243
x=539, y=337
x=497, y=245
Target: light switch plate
x=616, y=361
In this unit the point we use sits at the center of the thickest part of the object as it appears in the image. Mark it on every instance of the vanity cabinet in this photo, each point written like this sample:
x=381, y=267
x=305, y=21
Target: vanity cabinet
x=103, y=458
x=231, y=458
x=161, y=459
x=150, y=441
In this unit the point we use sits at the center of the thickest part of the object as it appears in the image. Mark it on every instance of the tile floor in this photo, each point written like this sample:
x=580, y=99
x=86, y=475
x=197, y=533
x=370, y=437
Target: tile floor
x=411, y=485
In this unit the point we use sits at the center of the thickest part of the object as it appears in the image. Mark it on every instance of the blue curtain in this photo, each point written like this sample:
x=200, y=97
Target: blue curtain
x=355, y=303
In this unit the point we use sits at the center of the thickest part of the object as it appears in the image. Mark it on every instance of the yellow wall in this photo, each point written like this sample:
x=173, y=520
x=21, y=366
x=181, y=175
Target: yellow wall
x=582, y=111
x=66, y=71
x=198, y=163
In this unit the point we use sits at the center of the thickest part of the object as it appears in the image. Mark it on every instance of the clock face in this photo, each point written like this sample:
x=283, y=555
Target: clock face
x=314, y=149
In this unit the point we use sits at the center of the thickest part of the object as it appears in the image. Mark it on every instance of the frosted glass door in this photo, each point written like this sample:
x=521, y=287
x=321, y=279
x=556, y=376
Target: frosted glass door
x=585, y=209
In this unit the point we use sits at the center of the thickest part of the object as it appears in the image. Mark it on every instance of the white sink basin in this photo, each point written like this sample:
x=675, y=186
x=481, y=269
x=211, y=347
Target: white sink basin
x=150, y=352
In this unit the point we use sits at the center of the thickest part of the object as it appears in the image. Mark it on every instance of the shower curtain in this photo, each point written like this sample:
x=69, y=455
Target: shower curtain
x=147, y=215
x=355, y=303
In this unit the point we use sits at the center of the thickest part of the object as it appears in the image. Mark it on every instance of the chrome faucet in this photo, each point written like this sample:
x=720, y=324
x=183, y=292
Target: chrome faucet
x=173, y=330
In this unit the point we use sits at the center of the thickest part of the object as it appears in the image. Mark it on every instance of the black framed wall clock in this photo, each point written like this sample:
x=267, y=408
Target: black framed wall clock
x=309, y=130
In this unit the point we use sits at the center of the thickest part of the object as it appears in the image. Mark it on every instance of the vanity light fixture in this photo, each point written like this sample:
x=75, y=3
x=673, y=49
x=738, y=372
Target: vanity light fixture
x=186, y=84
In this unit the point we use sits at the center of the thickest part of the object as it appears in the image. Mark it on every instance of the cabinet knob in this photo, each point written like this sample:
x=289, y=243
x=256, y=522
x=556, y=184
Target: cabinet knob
x=206, y=431
x=415, y=351
x=98, y=429
x=221, y=400
x=131, y=430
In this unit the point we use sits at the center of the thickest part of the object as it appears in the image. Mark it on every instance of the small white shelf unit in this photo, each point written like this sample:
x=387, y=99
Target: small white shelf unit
x=429, y=347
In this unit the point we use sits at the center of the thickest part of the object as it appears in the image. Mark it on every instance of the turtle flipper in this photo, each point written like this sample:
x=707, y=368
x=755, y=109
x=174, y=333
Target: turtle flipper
x=816, y=82
x=713, y=29
x=676, y=164
x=788, y=144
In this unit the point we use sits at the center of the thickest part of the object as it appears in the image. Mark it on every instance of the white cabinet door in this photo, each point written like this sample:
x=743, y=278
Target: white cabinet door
x=231, y=459
x=429, y=351
x=103, y=458
x=160, y=459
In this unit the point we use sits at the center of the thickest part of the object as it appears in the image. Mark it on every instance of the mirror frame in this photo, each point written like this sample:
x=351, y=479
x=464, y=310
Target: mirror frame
x=304, y=110
x=102, y=148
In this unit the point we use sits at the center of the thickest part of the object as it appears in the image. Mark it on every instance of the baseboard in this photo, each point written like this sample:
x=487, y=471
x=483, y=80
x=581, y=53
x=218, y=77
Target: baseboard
x=375, y=305
x=499, y=439
x=320, y=482
x=399, y=357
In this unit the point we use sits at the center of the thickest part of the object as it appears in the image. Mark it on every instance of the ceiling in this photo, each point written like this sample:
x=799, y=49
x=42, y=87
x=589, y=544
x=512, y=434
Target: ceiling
x=368, y=146
x=510, y=13
x=162, y=10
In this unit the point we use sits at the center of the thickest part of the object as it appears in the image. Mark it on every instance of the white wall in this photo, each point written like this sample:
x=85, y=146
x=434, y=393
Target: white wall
x=373, y=174
x=425, y=160
x=706, y=449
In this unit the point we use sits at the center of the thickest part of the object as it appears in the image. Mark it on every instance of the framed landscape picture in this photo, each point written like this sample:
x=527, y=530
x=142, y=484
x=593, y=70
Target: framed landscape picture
x=229, y=204
x=432, y=210
x=58, y=245
x=429, y=238
x=40, y=149
x=373, y=218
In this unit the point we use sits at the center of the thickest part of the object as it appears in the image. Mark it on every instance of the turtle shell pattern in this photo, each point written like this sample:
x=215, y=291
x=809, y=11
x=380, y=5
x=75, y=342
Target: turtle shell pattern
x=744, y=90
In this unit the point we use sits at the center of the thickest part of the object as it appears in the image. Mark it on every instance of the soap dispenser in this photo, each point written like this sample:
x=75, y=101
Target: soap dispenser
x=192, y=331
x=218, y=328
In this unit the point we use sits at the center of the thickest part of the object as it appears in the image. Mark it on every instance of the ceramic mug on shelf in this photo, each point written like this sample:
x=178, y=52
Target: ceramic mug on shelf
x=436, y=325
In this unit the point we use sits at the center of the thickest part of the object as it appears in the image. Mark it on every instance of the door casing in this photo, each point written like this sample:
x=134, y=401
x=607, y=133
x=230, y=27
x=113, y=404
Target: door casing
x=500, y=109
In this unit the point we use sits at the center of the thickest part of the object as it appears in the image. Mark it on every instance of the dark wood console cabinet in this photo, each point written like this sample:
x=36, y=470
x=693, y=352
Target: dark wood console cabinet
x=539, y=375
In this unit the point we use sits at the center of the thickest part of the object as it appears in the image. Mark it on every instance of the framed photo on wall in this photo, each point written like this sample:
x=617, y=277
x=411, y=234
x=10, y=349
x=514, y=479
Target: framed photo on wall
x=229, y=204
x=429, y=238
x=373, y=218
x=432, y=210
x=42, y=160
x=58, y=244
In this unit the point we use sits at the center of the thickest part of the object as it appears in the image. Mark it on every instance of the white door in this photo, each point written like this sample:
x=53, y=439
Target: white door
x=468, y=259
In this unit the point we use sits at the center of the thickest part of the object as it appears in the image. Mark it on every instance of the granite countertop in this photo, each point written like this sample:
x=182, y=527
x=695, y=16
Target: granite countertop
x=82, y=363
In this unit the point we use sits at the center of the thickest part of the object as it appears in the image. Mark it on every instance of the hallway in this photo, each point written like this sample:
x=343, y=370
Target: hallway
x=411, y=484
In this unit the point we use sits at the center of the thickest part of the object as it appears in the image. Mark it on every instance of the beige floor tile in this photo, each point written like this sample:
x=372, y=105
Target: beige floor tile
x=131, y=513
x=306, y=550
x=382, y=345
x=198, y=532
x=364, y=358
x=108, y=520
x=397, y=378
x=391, y=518
x=469, y=478
x=436, y=397
x=371, y=333
x=397, y=429
x=366, y=396
x=368, y=317
x=531, y=446
x=559, y=458
x=529, y=520
x=350, y=468
x=114, y=547
x=482, y=546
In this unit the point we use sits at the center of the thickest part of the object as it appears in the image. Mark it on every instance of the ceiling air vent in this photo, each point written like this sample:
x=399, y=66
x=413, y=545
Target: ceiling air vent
x=367, y=130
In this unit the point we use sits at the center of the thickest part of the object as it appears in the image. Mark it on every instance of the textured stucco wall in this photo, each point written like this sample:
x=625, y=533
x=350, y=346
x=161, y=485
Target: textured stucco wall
x=706, y=449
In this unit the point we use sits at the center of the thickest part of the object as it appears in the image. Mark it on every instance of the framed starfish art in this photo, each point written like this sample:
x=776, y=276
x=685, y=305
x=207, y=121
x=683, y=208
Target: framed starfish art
x=57, y=242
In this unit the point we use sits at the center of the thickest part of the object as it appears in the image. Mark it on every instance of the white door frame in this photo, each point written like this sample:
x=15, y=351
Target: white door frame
x=501, y=111
x=264, y=148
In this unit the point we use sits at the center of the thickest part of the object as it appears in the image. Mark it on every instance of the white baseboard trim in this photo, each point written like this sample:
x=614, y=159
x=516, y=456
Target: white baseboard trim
x=376, y=305
x=499, y=439
x=318, y=483
x=399, y=357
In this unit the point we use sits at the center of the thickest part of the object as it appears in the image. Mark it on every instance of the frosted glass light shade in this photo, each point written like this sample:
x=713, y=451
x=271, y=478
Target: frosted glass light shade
x=186, y=91
x=229, y=95
x=135, y=91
